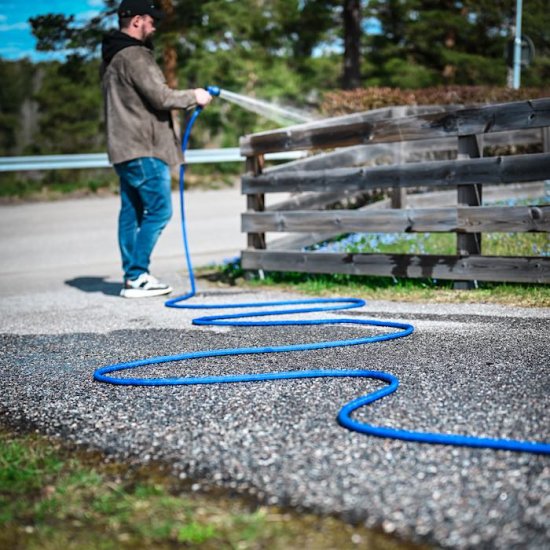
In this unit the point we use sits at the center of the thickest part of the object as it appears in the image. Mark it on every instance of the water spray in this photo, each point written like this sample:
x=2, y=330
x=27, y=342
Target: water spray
x=281, y=115
x=344, y=417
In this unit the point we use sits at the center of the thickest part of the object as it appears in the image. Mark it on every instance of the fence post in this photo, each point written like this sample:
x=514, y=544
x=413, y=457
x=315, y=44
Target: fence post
x=546, y=149
x=468, y=195
x=546, y=139
x=256, y=203
x=399, y=194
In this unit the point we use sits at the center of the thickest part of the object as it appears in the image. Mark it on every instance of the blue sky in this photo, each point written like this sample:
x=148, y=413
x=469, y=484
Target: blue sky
x=16, y=39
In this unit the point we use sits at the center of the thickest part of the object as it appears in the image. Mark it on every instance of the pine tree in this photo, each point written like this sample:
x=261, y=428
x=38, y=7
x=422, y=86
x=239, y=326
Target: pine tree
x=442, y=42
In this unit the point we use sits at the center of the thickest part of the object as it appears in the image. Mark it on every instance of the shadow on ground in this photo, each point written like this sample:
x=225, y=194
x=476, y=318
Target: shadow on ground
x=95, y=284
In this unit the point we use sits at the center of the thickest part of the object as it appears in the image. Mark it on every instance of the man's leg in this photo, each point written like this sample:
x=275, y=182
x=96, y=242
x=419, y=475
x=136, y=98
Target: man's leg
x=155, y=195
x=129, y=220
x=146, y=208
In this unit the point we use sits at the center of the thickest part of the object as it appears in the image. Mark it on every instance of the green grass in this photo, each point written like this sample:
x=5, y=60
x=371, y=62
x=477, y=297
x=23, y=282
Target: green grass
x=493, y=244
x=422, y=290
x=407, y=290
x=53, y=496
x=56, y=184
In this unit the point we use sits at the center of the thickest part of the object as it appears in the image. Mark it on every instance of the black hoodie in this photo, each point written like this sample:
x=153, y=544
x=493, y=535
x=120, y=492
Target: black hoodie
x=117, y=41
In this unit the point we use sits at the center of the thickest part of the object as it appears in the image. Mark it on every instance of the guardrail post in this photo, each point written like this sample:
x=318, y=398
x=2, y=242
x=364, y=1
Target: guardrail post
x=468, y=195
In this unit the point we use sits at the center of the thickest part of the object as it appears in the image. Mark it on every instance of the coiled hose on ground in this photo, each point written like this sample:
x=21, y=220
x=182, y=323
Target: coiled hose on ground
x=297, y=307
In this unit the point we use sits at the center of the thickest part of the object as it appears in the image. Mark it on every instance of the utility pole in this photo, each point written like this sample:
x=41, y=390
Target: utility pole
x=517, y=46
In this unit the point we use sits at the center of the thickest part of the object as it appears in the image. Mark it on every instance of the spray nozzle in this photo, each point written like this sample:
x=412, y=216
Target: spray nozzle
x=213, y=90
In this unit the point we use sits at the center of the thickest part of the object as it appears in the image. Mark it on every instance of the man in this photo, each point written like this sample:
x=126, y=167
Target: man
x=141, y=139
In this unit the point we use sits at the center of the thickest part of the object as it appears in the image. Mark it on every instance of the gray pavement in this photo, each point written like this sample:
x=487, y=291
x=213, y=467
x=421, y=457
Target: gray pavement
x=469, y=369
x=49, y=242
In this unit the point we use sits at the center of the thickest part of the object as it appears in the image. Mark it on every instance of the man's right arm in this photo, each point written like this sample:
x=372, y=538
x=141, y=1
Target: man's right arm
x=149, y=80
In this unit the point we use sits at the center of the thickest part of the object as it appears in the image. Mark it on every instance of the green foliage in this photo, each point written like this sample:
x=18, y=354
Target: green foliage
x=70, y=107
x=393, y=288
x=277, y=50
x=195, y=533
x=58, y=183
x=52, y=31
x=493, y=244
x=407, y=74
x=16, y=89
x=452, y=42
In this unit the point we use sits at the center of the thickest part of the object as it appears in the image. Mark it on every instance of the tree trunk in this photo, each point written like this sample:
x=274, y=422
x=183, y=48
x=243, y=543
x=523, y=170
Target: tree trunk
x=170, y=56
x=352, y=40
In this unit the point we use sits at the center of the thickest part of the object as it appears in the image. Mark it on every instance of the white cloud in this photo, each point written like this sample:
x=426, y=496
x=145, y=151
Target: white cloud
x=16, y=52
x=23, y=26
x=87, y=15
x=9, y=50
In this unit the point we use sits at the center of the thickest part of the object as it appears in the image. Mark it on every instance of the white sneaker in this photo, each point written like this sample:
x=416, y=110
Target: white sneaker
x=144, y=286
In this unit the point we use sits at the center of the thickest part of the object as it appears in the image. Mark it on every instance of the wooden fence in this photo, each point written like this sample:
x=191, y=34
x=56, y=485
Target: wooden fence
x=410, y=140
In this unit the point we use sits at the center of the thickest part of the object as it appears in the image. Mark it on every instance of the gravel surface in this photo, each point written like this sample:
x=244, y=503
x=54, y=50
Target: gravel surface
x=468, y=369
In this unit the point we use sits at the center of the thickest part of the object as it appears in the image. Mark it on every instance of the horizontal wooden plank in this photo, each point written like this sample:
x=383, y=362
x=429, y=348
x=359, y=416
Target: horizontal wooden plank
x=299, y=241
x=382, y=113
x=408, y=151
x=480, y=268
x=320, y=201
x=491, y=193
x=440, y=220
x=495, y=170
x=481, y=120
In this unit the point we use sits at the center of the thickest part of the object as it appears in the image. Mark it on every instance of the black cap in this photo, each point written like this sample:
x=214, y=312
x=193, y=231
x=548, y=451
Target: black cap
x=130, y=8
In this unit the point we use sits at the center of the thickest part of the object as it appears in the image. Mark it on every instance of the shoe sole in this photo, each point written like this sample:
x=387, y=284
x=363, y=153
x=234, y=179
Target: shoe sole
x=141, y=293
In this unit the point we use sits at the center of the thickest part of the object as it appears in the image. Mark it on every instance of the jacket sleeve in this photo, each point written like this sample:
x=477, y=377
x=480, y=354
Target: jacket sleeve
x=148, y=79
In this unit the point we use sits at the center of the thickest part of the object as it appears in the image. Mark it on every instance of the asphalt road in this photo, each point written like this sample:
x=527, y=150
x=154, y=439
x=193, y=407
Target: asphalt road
x=48, y=243
x=469, y=369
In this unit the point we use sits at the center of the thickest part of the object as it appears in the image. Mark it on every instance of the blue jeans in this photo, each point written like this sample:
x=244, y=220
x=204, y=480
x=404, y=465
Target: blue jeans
x=146, y=208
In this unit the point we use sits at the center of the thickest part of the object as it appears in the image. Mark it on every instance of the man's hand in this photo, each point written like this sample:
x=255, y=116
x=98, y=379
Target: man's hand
x=202, y=97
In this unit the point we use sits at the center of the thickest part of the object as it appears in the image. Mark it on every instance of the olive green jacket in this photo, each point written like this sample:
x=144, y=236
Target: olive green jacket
x=138, y=105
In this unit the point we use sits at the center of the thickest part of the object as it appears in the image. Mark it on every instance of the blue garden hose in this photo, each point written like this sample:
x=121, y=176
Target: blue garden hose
x=293, y=307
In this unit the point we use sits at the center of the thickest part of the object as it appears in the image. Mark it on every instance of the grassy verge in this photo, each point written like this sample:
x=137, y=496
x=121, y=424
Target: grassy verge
x=62, y=184
x=384, y=288
x=52, y=496
x=412, y=290
x=493, y=244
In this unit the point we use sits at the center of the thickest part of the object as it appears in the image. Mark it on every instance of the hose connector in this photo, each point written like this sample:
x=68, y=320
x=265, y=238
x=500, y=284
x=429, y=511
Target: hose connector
x=213, y=90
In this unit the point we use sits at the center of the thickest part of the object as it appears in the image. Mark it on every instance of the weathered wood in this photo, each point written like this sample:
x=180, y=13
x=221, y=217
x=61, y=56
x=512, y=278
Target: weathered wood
x=304, y=240
x=255, y=202
x=382, y=113
x=482, y=120
x=469, y=195
x=481, y=268
x=365, y=117
x=546, y=139
x=320, y=201
x=491, y=193
x=360, y=155
x=438, y=220
x=495, y=170
x=399, y=194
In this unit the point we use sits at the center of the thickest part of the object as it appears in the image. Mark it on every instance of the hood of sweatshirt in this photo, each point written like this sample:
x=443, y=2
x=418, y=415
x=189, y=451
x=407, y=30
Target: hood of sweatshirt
x=117, y=41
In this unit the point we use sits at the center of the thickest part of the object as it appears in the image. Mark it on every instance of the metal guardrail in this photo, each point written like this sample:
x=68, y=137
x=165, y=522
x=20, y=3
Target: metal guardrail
x=100, y=160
